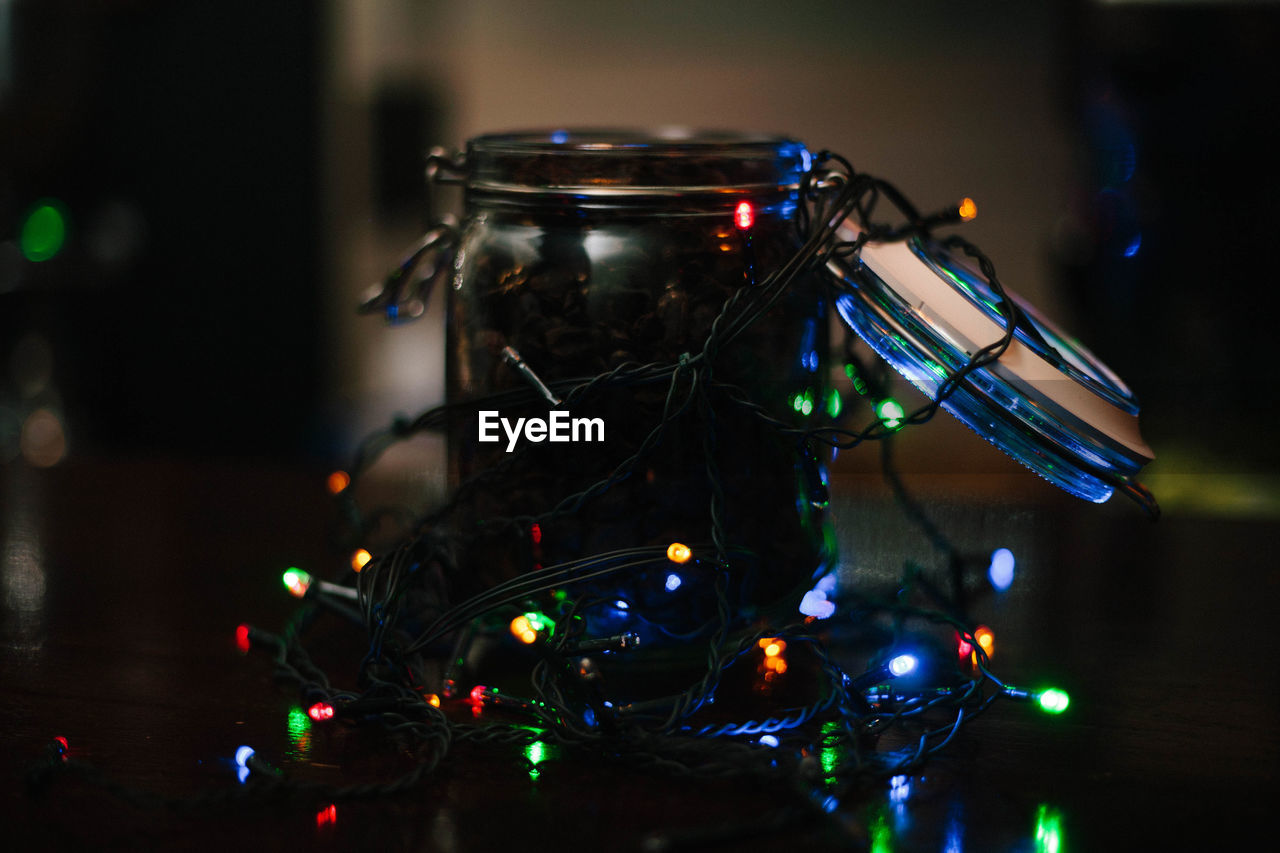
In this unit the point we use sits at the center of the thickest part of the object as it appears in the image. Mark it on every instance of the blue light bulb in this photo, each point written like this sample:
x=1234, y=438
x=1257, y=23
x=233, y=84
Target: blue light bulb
x=903, y=665
x=1001, y=571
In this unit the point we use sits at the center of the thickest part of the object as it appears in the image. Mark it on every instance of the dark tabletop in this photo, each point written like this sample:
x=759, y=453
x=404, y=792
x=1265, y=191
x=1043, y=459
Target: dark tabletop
x=124, y=582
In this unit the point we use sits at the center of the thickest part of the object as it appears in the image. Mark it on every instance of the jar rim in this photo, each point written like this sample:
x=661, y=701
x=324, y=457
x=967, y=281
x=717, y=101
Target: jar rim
x=672, y=141
x=618, y=166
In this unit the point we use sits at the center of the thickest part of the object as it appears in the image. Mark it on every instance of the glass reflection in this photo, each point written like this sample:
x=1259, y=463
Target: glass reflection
x=1048, y=837
x=299, y=735
x=829, y=753
x=22, y=572
x=537, y=753
x=879, y=834
x=954, y=842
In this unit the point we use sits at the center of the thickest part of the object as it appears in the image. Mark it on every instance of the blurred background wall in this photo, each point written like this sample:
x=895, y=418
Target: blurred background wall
x=230, y=178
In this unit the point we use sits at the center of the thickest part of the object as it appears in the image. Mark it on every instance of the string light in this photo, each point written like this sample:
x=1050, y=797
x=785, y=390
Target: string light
x=320, y=711
x=618, y=642
x=834, y=404
x=44, y=231
x=247, y=760
x=986, y=639
x=523, y=631
x=360, y=559
x=338, y=482
x=902, y=665
x=580, y=590
x=327, y=816
x=678, y=552
x=242, y=638
x=1053, y=700
x=815, y=604
x=890, y=412
x=297, y=581
x=968, y=210
x=1000, y=572
x=540, y=622
x=773, y=663
x=569, y=693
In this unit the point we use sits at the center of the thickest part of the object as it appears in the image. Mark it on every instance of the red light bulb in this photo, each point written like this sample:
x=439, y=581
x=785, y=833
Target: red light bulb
x=242, y=638
x=744, y=216
x=320, y=711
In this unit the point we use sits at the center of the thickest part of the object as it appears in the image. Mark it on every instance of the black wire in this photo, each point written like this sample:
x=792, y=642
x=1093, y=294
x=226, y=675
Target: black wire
x=665, y=734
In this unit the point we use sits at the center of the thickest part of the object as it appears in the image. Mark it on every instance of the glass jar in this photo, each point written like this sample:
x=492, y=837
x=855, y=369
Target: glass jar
x=587, y=251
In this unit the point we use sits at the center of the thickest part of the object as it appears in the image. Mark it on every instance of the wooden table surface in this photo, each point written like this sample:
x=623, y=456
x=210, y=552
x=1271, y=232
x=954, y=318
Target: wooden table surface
x=124, y=581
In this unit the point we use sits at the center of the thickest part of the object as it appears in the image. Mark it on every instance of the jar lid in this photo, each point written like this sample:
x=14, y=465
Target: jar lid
x=625, y=166
x=1047, y=401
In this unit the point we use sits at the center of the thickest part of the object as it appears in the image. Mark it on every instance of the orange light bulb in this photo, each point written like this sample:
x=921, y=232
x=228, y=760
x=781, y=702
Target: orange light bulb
x=986, y=638
x=523, y=630
x=679, y=553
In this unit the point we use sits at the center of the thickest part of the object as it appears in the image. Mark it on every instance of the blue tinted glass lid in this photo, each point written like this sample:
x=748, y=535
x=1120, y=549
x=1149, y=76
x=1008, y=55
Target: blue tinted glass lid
x=1048, y=402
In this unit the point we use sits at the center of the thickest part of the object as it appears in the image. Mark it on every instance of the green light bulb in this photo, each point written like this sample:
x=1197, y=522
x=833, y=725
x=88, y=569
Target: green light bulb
x=296, y=581
x=834, y=403
x=1054, y=701
x=43, y=232
x=890, y=411
x=540, y=622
